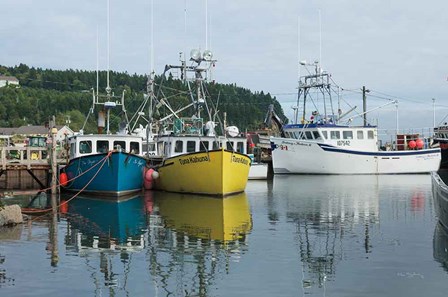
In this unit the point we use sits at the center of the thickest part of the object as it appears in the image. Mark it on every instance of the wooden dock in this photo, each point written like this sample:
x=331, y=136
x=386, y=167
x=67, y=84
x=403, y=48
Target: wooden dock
x=24, y=168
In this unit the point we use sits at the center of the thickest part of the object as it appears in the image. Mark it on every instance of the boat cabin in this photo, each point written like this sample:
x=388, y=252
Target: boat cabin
x=84, y=145
x=170, y=146
x=365, y=138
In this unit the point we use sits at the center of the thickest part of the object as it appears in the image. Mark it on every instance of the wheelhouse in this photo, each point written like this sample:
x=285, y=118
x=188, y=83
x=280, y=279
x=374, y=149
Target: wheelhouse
x=177, y=145
x=84, y=145
x=350, y=137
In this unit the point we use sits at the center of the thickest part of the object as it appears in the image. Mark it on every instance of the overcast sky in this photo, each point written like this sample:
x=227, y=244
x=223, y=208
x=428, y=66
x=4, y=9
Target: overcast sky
x=397, y=48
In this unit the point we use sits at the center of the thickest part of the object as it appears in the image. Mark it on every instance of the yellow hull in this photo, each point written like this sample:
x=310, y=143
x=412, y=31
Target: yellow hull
x=217, y=172
x=206, y=217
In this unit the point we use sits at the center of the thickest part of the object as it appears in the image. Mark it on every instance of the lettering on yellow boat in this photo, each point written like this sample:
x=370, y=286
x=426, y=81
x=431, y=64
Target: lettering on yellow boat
x=194, y=159
x=236, y=159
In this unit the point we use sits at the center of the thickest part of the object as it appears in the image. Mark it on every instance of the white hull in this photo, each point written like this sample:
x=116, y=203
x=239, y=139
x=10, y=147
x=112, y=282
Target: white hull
x=292, y=156
x=258, y=171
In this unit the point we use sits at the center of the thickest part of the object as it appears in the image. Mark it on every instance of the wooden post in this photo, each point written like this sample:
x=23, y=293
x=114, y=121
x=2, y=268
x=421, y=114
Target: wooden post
x=53, y=162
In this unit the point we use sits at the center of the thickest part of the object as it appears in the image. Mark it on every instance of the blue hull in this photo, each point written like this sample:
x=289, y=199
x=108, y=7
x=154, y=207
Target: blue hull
x=121, y=174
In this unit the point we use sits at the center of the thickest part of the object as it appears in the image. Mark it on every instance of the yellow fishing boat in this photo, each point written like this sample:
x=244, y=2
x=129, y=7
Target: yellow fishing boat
x=216, y=172
x=192, y=154
x=206, y=217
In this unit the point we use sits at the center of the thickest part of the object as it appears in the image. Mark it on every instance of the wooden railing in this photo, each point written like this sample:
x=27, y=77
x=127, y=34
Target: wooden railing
x=23, y=156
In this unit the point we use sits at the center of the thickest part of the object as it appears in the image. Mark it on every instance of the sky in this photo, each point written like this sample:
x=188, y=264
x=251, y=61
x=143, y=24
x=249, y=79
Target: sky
x=397, y=49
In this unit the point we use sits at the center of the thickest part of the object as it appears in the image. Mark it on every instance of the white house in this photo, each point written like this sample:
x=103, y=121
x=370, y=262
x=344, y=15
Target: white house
x=8, y=80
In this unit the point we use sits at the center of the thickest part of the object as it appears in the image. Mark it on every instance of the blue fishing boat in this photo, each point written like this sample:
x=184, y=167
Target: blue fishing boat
x=103, y=164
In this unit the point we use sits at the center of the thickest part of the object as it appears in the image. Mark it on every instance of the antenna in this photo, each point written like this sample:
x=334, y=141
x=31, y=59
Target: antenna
x=108, y=48
x=152, y=38
x=298, y=44
x=97, y=62
x=185, y=30
x=320, y=40
x=206, y=24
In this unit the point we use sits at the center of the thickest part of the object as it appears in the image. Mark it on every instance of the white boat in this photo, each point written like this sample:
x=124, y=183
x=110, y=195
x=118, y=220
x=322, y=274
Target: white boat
x=323, y=146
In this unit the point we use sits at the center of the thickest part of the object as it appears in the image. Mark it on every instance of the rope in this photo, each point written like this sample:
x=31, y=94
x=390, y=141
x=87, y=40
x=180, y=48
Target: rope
x=80, y=191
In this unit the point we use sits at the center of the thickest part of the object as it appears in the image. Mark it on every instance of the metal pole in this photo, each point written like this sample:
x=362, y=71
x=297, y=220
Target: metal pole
x=433, y=112
x=396, y=106
x=364, y=105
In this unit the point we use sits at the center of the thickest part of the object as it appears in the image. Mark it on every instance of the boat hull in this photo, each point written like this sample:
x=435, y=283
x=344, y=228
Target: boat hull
x=121, y=174
x=258, y=171
x=443, y=143
x=290, y=156
x=217, y=172
x=440, y=196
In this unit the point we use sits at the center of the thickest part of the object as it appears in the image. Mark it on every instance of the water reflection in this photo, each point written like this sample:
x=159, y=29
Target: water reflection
x=440, y=246
x=105, y=224
x=335, y=215
x=200, y=238
x=206, y=218
x=188, y=241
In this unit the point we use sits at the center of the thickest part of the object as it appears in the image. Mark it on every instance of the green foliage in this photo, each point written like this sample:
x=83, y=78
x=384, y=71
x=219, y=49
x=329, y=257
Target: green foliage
x=67, y=94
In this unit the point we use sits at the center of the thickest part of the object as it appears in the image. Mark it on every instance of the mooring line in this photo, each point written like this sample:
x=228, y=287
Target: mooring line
x=74, y=196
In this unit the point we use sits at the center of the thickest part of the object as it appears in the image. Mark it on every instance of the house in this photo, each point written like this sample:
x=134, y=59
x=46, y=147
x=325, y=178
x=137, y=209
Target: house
x=8, y=81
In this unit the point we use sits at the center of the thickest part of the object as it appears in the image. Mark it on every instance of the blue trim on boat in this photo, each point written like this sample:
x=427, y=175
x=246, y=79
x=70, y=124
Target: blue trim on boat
x=334, y=149
x=307, y=126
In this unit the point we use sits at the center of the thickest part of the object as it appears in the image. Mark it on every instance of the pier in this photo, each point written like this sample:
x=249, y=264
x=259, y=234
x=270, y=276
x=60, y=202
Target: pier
x=24, y=168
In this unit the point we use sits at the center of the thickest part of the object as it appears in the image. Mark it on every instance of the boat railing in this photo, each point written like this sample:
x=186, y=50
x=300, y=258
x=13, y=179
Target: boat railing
x=393, y=139
x=188, y=126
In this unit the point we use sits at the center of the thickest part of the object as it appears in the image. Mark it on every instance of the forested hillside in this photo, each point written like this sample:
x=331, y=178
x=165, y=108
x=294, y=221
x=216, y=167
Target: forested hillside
x=68, y=95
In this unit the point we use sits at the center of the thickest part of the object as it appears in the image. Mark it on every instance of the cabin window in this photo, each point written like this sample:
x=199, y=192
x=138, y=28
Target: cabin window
x=299, y=135
x=119, y=145
x=102, y=146
x=149, y=148
x=135, y=147
x=335, y=134
x=179, y=146
x=85, y=147
x=360, y=134
x=347, y=134
x=324, y=134
x=203, y=146
x=216, y=145
x=240, y=147
x=191, y=146
x=229, y=146
x=166, y=148
x=72, y=150
x=160, y=146
x=316, y=135
x=308, y=135
x=370, y=134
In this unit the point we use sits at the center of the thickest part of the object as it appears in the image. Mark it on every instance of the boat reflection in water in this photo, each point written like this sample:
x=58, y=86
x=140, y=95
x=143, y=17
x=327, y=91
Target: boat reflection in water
x=186, y=242
x=106, y=224
x=335, y=215
x=200, y=239
x=440, y=246
x=440, y=195
x=204, y=217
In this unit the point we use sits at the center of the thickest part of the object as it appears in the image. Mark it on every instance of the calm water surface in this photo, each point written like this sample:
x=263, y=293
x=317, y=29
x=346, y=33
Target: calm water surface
x=294, y=236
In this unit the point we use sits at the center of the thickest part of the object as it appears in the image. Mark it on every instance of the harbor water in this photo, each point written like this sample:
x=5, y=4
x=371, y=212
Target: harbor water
x=293, y=236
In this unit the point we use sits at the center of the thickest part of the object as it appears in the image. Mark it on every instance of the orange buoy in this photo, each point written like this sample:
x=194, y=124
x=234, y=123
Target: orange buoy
x=420, y=143
x=148, y=180
x=412, y=144
x=63, y=179
x=63, y=207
